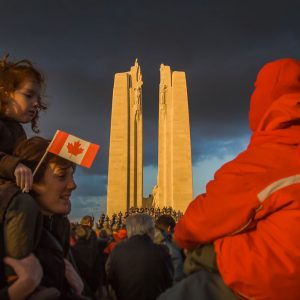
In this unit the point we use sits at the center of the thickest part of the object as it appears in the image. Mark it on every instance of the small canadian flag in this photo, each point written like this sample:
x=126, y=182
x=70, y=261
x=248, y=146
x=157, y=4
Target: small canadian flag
x=73, y=148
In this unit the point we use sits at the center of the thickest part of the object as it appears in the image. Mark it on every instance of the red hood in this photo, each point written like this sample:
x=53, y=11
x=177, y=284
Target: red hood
x=269, y=107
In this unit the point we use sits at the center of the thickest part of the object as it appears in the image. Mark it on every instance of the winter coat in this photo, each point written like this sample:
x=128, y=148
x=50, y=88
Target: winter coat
x=139, y=269
x=163, y=238
x=89, y=257
x=51, y=251
x=4, y=294
x=251, y=210
x=27, y=231
x=20, y=227
x=22, y=224
x=11, y=134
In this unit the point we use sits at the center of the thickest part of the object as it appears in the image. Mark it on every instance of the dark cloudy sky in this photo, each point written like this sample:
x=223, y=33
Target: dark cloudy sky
x=81, y=44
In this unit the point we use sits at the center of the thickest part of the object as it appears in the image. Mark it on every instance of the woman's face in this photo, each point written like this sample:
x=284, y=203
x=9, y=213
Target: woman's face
x=55, y=189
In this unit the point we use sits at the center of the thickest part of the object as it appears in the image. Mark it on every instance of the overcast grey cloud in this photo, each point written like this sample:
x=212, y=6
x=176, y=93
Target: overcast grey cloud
x=81, y=44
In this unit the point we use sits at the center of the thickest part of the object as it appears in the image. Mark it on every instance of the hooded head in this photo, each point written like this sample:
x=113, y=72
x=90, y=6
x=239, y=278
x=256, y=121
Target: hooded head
x=274, y=80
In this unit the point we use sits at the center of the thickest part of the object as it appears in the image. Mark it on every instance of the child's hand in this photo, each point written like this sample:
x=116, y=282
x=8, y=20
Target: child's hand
x=24, y=177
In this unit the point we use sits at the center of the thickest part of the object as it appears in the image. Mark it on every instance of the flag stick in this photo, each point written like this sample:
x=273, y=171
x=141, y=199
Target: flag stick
x=43, y=157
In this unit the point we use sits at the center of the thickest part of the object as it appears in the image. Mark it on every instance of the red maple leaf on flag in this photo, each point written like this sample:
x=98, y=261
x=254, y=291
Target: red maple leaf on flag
x=74, y=148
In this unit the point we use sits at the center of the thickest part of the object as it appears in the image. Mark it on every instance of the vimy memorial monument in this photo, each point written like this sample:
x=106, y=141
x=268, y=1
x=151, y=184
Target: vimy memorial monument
x=125, y=167
x=125, y=170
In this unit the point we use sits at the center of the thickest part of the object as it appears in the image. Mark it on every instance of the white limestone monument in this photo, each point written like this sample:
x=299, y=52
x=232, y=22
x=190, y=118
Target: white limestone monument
x=125, y=170
x=125, y=167
x=174, y=181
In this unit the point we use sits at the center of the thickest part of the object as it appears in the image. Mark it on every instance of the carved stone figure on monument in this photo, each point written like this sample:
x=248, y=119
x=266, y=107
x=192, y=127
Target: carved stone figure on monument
x=155, y=196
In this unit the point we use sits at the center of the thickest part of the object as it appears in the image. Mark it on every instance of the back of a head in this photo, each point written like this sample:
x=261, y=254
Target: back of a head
x=87, y=221
x=274, y=80
x=80, y=232
x=139, y=224
x=166, y=223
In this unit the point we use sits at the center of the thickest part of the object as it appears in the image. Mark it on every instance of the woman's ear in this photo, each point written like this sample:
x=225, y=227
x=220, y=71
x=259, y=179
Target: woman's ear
x=38, y=188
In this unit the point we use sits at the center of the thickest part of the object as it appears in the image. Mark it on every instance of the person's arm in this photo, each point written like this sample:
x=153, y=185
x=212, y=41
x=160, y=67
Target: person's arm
x=24, y=178
x=29, y=272
x=8, y=164
x=11, y=133
x=11, y=167
x=22, y=227
x=229, y=204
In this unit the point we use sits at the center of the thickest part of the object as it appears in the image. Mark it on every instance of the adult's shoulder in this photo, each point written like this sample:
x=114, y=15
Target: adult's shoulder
x=22, y=225
x=121, y=245
x=24, y=202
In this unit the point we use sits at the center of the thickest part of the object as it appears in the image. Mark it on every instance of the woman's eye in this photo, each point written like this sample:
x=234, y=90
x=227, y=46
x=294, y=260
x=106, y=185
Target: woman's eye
x=61, y=176
x=28, y=95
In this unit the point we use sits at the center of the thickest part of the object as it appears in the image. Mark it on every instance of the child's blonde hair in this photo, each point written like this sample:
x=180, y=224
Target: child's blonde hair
x=12, y=75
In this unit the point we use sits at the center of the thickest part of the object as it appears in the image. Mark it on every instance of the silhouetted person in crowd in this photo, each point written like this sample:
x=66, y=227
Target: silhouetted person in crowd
x=138, y=269
x=164, y=228
x=88, y=256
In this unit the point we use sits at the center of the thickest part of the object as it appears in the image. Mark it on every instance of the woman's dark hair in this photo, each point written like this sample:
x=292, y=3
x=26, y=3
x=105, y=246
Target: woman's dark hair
x=12, y=75
x=31, y=151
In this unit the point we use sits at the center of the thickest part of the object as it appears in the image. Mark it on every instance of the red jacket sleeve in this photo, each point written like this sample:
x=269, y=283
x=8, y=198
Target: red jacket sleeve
x=228, y=205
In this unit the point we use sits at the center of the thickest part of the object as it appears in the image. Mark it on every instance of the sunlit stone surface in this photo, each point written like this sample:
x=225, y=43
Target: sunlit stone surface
x=125, y=169
x=174, y=187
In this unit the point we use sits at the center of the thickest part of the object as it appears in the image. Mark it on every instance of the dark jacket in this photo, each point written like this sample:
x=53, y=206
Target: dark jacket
x=89, y=257
x=20, y=226
x=139, y=269
x=51, y=251
x=4, y=294
x=11, y=134
x=164, y=238
x=27, y=231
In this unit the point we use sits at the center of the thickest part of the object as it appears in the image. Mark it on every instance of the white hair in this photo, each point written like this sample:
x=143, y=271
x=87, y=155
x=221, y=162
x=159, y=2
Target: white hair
x=139, y=224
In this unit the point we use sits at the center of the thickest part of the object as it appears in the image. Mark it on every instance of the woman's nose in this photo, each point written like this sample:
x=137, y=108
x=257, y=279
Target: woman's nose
x=71, y=184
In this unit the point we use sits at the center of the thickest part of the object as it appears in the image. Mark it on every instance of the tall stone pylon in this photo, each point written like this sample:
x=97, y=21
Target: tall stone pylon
x=125, y=167
x=174, y=184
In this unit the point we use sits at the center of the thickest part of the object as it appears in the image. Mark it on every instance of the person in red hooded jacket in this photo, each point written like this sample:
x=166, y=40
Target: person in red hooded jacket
x=251, y=210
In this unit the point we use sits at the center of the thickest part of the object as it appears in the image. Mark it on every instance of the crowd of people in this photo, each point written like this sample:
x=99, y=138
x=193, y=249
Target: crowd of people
x=118, y=220
x=101, y=253
x=239, y=240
